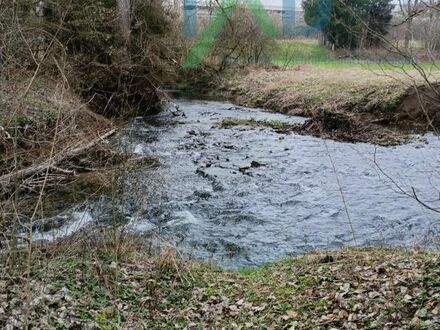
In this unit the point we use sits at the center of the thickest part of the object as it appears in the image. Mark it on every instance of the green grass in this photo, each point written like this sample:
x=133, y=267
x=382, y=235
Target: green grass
x=299, y=49
x=290, y=53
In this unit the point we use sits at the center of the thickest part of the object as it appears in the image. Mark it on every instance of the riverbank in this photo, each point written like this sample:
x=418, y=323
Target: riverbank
x=109, y=286
x=43, y=118
x=347, y=104
x=52, y=149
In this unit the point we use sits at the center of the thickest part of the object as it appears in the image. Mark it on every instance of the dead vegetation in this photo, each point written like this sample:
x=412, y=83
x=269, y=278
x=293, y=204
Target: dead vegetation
x=53, y=153
x=63, y=66
x=82, y=44
x=67, y=75
x=42, y=129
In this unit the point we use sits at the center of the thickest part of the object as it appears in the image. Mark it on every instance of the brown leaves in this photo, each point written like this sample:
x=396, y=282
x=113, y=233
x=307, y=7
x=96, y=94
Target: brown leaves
x=383, y=289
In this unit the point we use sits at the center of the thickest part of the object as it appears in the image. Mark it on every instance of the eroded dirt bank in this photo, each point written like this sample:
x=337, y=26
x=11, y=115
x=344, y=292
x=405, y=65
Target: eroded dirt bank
x=352, y=105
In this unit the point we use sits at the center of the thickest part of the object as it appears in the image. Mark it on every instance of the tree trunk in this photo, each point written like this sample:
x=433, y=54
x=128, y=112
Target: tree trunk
x=408, y=33
x=124, y=19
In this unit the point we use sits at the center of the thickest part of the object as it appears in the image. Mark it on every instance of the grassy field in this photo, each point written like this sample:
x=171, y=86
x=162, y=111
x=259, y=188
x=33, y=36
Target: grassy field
x=350, y=289
x=289, y=53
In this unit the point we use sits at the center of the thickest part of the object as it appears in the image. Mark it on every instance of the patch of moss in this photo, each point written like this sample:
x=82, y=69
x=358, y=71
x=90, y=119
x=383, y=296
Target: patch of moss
x=274, y=123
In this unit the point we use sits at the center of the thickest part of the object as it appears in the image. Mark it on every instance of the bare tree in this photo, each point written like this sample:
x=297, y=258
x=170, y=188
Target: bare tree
x=431, y=26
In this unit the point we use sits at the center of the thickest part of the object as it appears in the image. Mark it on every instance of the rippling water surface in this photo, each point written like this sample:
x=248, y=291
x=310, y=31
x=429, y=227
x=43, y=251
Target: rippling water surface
x=244, y=196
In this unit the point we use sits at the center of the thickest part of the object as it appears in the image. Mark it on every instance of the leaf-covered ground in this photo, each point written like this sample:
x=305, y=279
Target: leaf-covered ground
x=350, y=289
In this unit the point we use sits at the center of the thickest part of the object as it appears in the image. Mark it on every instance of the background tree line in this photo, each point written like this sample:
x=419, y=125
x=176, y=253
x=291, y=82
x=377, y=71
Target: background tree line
x=352, y=24
x=342, y=23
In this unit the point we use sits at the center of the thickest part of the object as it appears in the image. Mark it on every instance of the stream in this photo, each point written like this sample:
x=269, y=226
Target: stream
x=242, y=196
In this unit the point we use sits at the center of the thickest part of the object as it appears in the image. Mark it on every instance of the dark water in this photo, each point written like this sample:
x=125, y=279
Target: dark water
x=289, y=202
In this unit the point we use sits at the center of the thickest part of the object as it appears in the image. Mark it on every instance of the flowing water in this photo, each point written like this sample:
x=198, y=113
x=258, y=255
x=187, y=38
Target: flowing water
x=248, y=195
